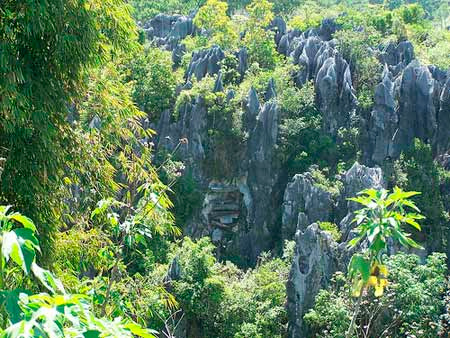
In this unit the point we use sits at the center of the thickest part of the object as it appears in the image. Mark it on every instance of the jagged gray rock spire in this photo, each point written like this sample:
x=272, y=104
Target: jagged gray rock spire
x=315, y=261
x=411, y=101
x=317, y=256
x=335, y=93
x=205, y=62
x=167, y=30
x=304, y=203
x=320, y=62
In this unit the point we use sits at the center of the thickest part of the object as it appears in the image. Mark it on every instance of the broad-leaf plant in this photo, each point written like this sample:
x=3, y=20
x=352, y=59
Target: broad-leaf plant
x=53, y=314
x=382, y=219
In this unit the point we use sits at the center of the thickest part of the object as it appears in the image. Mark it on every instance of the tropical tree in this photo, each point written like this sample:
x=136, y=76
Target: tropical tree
x=213, y=17
x=382, y=218
x=46, y=48
x=258, y=39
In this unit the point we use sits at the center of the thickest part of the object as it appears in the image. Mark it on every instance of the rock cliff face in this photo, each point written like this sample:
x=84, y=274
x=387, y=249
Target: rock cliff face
x=411, y=101
x=317, y=256
x=236, y=213
x=258, y=207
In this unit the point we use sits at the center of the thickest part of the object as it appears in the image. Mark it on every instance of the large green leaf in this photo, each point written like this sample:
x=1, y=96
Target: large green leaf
x=49, y=280
x=19, y=245
x=25, y=221
x=360, y=264
x=10, y=301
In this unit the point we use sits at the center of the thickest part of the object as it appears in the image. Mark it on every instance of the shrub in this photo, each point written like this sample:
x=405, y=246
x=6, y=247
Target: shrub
x=154, y=81
x=411, y=305
x=213, y=17
x=332, y=229
x=223, y=301
x=416, y=169
x=258, y=40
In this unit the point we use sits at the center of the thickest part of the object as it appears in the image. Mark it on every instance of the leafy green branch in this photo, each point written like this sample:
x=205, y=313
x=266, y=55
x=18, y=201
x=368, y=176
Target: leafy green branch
x=381, y=218
x=57, y=314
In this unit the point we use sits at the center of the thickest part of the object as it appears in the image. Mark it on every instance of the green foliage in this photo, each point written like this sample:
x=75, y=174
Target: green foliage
x=19, y=245
x=301, y=140
x=435, y=48
x=154, y=81
x=309, y=15
x=321, y=181
x=199, y=292
x=416, y=169
x=331, y=314
x=67, y=315
x=382, y=216
x=147, y=9
x=410, y=306
x=411, y=14
x=355, y=47
x=332, y=229
x=213, y=17
x=380, y=219
x=225, y=139
x=79, y=253
x=62, y=40
x=229, y=66
x=259, y=41
x=222, y=301
x=42, y=314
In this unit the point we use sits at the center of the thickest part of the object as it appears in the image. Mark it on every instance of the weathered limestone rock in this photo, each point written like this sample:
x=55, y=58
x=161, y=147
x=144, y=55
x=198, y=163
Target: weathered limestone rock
x=320, y=61
x=242, y=57
x=218, y=85
x=443, y=132
x=167, y=30
x=384, y=119
x=261, y=179
x=304, y=203
x=316, y=258
x=278, y=25
x=414, y=104
x=317, y=255
x=205, y=62
x=335, y=93
x=191, y=125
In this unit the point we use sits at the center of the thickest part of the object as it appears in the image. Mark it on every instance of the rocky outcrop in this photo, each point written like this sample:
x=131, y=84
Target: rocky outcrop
x=279, y=27
x=443, y=120
x=304, y=203
x=410, y=101
x=397, y=56
x=242, y=57
x=167, y=30
x=205, y=62
x=413, y=104
x=236, y=213
x=319, y=61
x=261, y=179
x=190, y=129
x=316, y=259
x=335, y=93
x=317, y=256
